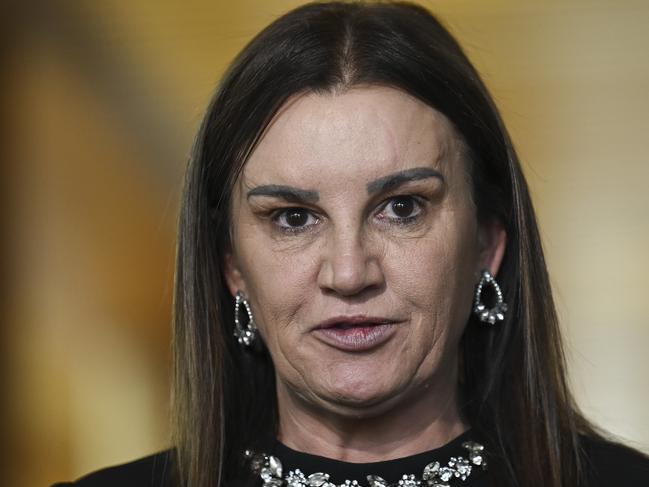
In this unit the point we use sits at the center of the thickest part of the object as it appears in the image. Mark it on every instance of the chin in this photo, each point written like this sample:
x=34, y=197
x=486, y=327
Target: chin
x=359, y=399
x=359, y=408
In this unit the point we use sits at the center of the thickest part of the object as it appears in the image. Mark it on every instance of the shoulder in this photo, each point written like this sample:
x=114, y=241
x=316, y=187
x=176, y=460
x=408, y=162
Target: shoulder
x=151, y=471
x=610, y=463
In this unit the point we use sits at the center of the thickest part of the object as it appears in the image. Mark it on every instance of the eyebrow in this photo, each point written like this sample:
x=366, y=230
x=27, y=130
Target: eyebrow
x=385, y=183
x=396, y=179
x=288, y=193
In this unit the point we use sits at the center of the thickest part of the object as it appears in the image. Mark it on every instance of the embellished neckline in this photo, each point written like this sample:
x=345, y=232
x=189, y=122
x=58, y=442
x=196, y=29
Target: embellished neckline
x=451, y=464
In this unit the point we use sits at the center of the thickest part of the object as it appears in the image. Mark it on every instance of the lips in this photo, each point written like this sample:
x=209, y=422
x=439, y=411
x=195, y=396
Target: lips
x=353, y=321
x=357, y=333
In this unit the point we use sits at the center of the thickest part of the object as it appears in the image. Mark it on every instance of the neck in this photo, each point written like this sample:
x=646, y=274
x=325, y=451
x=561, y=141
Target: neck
x=425, y=420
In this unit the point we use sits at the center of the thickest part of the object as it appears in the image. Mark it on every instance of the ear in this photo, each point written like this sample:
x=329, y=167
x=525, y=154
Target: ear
x=232, y=272
x=492, y=240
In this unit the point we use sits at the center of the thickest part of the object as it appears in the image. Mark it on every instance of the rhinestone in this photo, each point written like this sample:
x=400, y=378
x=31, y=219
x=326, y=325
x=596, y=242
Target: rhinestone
x=472, y=445
x=475, y=457
x=463, y=468
x=273, y=483
x=317, y=479
x=266, y=474
x=376, y=481
x=296, y=478
x=431, y=471
x=275, y=466
x=295, y=482
x=446, y=474
x=408, y=481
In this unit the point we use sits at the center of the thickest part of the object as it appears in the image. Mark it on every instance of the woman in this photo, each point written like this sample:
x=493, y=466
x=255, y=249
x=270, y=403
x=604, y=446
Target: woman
x=352, y=196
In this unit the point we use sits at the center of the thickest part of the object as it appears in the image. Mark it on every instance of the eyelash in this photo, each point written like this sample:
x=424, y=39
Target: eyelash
x=277, y=214
x=405, y=220
x=402, y=221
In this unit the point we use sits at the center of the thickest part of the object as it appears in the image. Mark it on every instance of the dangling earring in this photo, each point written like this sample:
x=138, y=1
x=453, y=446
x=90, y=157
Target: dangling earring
x=489, y=315
x=245, y=333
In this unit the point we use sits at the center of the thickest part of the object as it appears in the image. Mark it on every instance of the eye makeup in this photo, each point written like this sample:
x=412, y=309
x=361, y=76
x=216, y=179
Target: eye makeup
x=412, y=190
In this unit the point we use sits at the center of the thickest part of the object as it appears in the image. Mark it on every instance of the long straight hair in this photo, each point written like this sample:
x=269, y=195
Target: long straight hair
x=513, y=383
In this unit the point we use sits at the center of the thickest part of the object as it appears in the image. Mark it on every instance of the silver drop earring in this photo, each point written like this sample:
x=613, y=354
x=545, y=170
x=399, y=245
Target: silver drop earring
x=497, y=312
x=246, y=332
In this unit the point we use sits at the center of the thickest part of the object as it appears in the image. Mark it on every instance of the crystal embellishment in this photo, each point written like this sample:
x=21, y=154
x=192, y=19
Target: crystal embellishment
x=376, y=481
x=497, y=312
x=431, y=471
x=296, y=478
x=270, y=470
x=317, y=479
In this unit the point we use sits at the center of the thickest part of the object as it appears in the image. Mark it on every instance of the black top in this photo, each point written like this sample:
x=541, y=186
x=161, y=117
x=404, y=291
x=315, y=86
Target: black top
x=610, y=465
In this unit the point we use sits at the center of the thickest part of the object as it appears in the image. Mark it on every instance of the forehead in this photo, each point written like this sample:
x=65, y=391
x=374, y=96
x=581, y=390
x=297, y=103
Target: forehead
x=360, y=133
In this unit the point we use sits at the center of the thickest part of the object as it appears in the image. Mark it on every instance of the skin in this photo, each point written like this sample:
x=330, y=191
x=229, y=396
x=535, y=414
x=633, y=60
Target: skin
x=411, y=252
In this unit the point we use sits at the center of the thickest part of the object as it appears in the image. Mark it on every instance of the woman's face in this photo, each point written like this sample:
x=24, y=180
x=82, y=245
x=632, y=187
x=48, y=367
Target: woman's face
x=355, y=239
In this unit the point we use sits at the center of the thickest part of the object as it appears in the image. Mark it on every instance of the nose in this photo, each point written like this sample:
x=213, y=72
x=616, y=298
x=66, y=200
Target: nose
x=349, y=265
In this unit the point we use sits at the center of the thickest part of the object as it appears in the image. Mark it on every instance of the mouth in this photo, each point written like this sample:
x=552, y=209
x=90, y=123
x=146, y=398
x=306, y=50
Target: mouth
x=353, y=321
x=348, y=326
x=356, y=333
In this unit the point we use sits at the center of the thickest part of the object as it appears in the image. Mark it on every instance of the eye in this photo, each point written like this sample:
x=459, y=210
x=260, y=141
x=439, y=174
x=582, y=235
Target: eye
x=294, y=219
x=401, y=209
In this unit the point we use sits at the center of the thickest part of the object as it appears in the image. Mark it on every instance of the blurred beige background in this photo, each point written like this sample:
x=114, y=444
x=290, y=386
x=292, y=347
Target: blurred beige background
x=100, y=102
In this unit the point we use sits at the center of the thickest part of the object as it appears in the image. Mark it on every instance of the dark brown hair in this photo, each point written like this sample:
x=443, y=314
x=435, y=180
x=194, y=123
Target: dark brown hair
x=514, y=385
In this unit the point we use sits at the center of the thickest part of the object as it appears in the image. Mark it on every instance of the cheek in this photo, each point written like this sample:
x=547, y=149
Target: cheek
x=435, y=275
x=278, y=283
